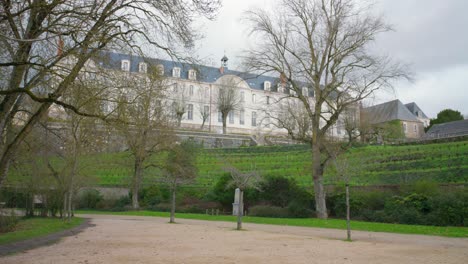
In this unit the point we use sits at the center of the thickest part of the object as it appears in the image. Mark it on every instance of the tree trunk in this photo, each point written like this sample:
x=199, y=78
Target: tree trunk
x=173, y=204
x=239, y=210
x=63, y=214
x=136, y=182
x=224, y=123
x=348, y=215
x=317, y=172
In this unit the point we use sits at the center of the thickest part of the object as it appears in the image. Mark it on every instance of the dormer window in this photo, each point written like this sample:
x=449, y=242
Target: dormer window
x=267, y=86
x=160, y=69
x=280, y=88
x=143, y=67
x=125, y=65
x=192, y=75
x=305, y=91
x=176, y=72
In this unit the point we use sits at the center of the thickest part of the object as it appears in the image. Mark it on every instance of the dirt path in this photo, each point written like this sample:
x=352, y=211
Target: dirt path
x=132, y=239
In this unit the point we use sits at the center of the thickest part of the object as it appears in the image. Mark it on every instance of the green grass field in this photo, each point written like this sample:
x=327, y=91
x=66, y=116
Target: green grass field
x=311, y=222
x=36, y=227
x=381, y=165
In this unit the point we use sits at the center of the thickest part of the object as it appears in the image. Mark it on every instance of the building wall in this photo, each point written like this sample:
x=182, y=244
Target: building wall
x=413, y=130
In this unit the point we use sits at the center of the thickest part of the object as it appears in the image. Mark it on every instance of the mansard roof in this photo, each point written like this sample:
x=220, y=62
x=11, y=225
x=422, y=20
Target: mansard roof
x=414, y=109
x=204, y=73
x=393, y=110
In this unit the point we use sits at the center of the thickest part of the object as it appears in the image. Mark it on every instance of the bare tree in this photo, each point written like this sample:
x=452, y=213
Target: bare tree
x=143, y=121
x=242, y=180
x=203, y=106
x=227, y=100
x=179, y=103
x=321, y=45
x=180, y=169
x=46, y=44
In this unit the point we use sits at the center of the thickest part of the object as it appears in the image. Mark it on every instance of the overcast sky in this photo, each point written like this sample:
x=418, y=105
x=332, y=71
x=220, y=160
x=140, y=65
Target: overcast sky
x=431, y=35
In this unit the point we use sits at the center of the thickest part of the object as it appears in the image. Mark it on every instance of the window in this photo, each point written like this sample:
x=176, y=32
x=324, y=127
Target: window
x=267, y=86
x=241, y=117
x=160, y=68
x=268, y=100
x=176, y=72
x=207, y=92
x=190, y=112
x=192, y=75
x=231, y=117
x=206, y=112
x=220, y=117
x=142, y=67
x=176, y=87
x=280, y=88
x=254, y=118
x=242, y=96
x=404, y=127
x=125, y=65
x=191, y=90
x=253, y=98
x=415, y=128
x=305, y=91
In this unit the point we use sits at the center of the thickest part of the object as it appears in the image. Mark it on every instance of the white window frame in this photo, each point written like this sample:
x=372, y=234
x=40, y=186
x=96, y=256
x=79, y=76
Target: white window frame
x=254, y=118
x=160, y=68
x=190, y=111
x=143, y=67
x=206, y=110
x=267, y=86
x=125, y=65
x=242, y=117
x=191, y=90
x=231, y=117
x=176, y=72
x=192, y=74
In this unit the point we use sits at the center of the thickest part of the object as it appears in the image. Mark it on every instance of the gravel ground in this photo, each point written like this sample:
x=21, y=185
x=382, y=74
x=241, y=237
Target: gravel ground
x=133, y=239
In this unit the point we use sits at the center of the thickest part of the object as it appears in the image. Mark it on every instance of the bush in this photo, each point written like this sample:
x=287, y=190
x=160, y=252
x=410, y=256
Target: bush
x=89, y=199
x=298, y=210
x=8, y=222
x=449, y=209
x=268, y=211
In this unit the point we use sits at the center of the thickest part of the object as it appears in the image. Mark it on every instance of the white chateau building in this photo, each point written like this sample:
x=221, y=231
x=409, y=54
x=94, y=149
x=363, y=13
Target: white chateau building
x=197, y=86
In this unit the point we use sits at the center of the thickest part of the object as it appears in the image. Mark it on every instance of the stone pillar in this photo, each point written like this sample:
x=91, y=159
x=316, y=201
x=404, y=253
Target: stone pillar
x=235, y=205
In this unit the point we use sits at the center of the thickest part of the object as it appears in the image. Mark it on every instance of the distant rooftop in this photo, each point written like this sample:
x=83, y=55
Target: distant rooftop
x=449, y=129
x=393, y=110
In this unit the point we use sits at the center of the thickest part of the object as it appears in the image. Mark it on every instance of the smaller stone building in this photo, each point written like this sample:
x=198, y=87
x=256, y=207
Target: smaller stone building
x=395, y=112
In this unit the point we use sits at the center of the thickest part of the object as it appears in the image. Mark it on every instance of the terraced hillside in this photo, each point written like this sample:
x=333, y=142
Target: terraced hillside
x=378, y=165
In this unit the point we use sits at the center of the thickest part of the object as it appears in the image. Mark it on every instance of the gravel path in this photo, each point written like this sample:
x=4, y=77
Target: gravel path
x=133, y=239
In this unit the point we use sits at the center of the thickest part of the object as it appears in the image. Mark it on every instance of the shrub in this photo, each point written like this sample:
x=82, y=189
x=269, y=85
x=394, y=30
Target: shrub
x=89, y=199
x=298, y=210
x=8, y=222
x=268, y=211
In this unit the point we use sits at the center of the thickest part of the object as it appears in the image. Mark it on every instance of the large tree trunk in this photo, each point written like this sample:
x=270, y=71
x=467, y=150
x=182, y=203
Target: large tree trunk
x=319, y=190
x=173, y=204
x=224, y=124
x=239, y=210
x=136, y=182
x=348, y=215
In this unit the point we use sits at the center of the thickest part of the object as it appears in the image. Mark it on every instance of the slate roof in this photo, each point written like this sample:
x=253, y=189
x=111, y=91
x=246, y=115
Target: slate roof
x=206, y=74
x=449, y=129
x=393, y=110
x=414, y=108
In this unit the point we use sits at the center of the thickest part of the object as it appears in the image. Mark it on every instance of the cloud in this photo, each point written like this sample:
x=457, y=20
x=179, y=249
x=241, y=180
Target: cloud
x=434, y=91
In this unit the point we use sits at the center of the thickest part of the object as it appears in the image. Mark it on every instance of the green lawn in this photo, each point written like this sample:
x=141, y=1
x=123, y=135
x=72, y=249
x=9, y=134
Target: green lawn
x=36, y=227
x=312, y=222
